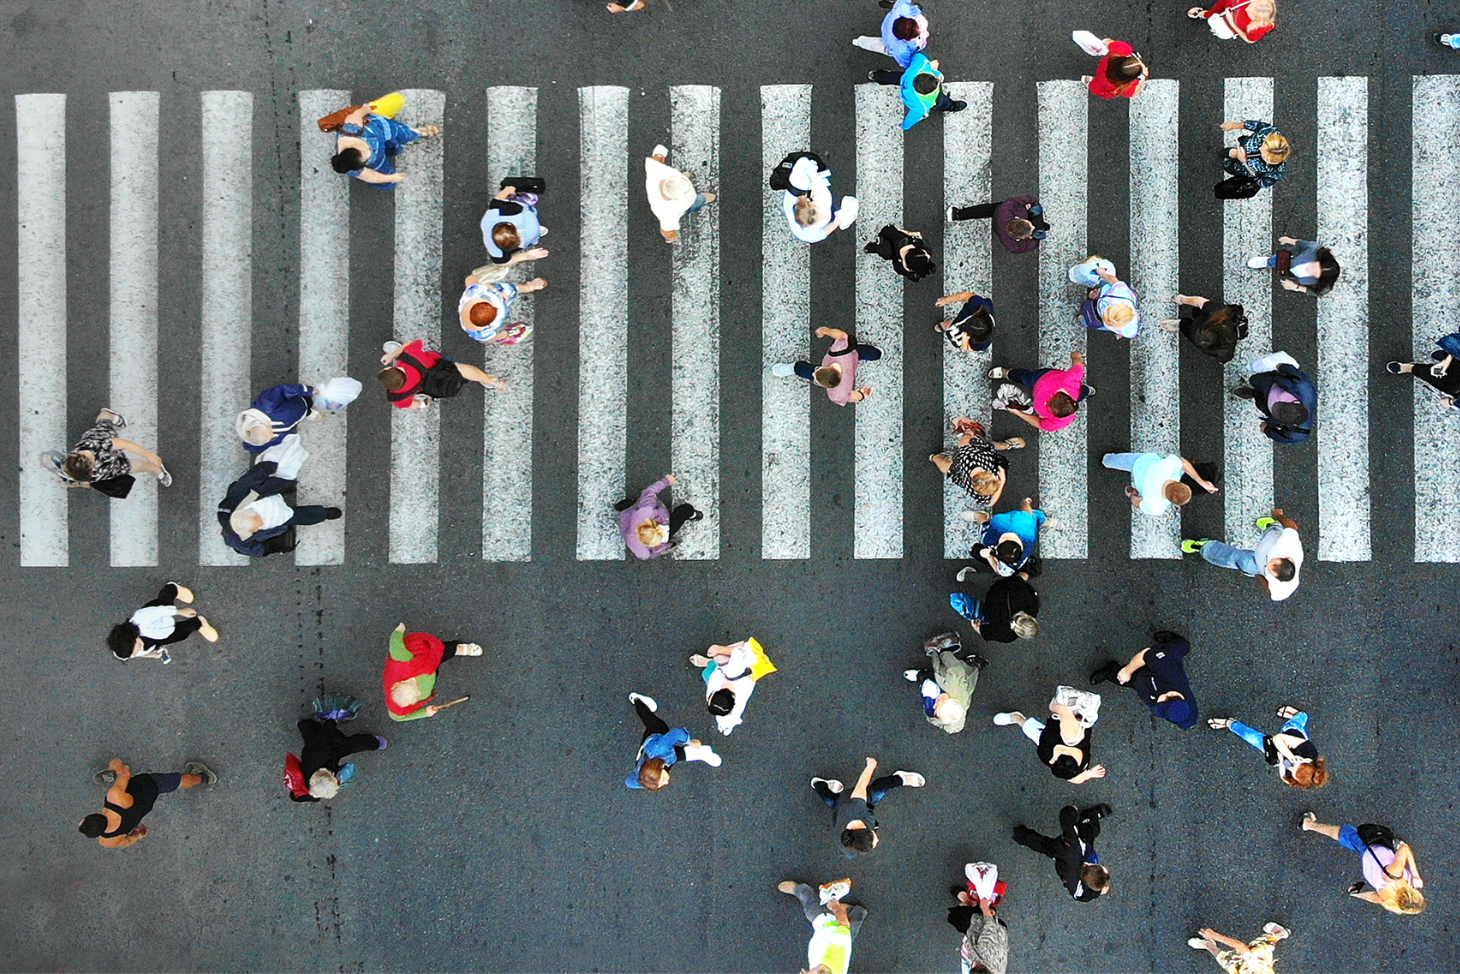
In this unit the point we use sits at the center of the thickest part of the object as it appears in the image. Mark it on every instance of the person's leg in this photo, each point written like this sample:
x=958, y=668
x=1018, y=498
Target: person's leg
x=653, y=723
x=873, y=44
x=681, y=514
x=879, y=787
x=699, y=204
x=804, y=370
x=182, y=629
x=1223, y=555
x=1032, y=728
x=310, y=514
x=868, y=353
x=810, y=902
x=824, y=792
x=399, y=135
x=946, y=104
x=167, y=596
x=1120, y=461
x=1036, y=842
x=1025, y=377
x=855, y=916
x=1248, y=734
x=981, y=211
x=356, y=743
x=1298, y=722
x=885, y=77
x=625, y=504
x=168, y=783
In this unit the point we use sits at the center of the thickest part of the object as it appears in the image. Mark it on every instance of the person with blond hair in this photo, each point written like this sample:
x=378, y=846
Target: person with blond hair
x=1157, y=480
x=1389, y=868
x=837, y=373
x=1251, y=20
x=804, y=182
x=1261, y=153
x=1111, y=304
x=1234, y=956
x=646, y=524
x=411, y=669
x=1291, y=751
x=1008, y=611
x=978, y=465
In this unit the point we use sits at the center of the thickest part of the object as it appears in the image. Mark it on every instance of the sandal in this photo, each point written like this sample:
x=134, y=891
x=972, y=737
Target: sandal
x=1015, y=443
x=514, y=333
x=1195, y=13
x=1219, y=723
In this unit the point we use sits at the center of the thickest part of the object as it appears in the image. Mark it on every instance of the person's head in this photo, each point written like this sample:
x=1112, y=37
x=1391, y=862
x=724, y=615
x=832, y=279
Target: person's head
x=1282, y=569
x=950, y=711
x=653, y=774
x=324, y=784
x=1124, y=69
x=906, y=29
x=348, y=160
x=804, y=211
x=1177, y=493
x=1174, y=708
x=1309, y=774
x=406, y=693
x=1019, y=228
x=1061, y=405
x=505, y=236
x=245, y=522
x=1400, y=897
x=258, y=434
x=979, y=326
x=828, y=376
x=1065, y=767
x=1275, y=149
x=1262, y=12
x=79, y=466
x=978, y=969
x=1290, y=413
x=393, y=378
x=1328, y=271
x=124, y=639
x=859, y=840
x=1025, y=626
x=983, y=482
x=919, y=263
x=722, y=701
x=652, y=532
x=92, y=826
x=1119, y=315
x=1010, y=551
x=481, y=314
x=1095, y=876
x=926, y=84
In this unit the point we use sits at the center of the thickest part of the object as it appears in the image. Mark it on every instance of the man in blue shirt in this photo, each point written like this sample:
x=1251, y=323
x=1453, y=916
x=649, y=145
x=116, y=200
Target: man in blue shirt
x=921, y=87
x=1157, y=676
x=661, y=747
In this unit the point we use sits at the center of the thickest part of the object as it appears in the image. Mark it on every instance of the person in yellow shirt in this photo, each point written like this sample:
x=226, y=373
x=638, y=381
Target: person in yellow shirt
x=834, y=925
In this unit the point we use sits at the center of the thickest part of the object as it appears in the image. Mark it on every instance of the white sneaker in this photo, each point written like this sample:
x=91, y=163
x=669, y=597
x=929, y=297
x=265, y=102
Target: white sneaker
x=1003, y=720
x=911, y=779
x=660, y=150
x=468, y=649
x=998, y=373
x=977, y=517
x=1196, y=943
x=910, y=676
x=646, y=701
x=835, y=891
x=391, y=346
x=964, y=572
x=783, y=369
x=950, y=214
x=834, y=786
x=1276, y=931
x=1257, y=263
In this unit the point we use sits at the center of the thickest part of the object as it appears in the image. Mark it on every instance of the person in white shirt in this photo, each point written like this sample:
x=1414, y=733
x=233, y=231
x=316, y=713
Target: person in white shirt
x=1274, y=563
x=730, y=677
x=671, y=193
x=1156, y=480
x=810, y=208
x=158, y=624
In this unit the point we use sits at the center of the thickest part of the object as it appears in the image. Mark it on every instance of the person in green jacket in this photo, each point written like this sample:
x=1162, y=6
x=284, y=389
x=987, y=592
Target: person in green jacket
x=947, y=682
x=921, y=86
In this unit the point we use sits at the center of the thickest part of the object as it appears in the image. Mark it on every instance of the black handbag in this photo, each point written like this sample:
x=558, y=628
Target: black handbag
x=1237, y=188
x=116, y=488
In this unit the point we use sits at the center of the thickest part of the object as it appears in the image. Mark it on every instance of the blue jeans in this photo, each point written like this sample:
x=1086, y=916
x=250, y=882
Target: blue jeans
x=698, y=204
x=1298, y=723
x=1223, y=555
x=1120, y=461
x=876, y=791
x=1027, y=378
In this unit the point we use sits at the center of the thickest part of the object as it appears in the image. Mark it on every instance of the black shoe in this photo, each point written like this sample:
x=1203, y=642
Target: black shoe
x=1438, y=355
x=333, y=513
x=977, y=662
x=870, y=248
x=1102, y=810
x=889, y=4
x=956, y=106
x=1245, y=392
x=957, y=890
x=1356, y=888
x=1105, y=673
x=872, y=76
x=696, y=516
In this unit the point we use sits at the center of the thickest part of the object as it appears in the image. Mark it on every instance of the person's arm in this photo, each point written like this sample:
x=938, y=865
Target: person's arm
x=999, y=491
x=859, y=790
x=1106, y=275
x=418, y=714
x=1190, y=470
x=835, y=334
x=398, y=650
x=368, y=175
x=1283, y=519
x=1030, y=418
x=948, y=299
x=1089, y=774
x=650, y=494
x=274, y=397
x=117, y=794
x=1215, y=937
x=1135, y=497
x=1404, y=860
x=728, y=722
x=1129, y=670
x=136, y=450
x=122, y=841
x=357, y=117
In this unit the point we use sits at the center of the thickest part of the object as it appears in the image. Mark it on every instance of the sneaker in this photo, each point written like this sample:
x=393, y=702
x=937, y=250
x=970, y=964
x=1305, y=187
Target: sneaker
x=977, y=662
x=951, y=217
x=783, y=369
x=871, y=75
x=164, y=478
x=333, y=513
x=832, y=785
x=997, y=373
x=1244, y=392
x=382, y=742
x=1277, y=931
x=788, y=886
x=391, y=346
x=1265, y=522
x=1192, y=545
x=1447, y=40
x=1393, y=368
x=199, y=768
x=468, y=649
x=118, y=419
x=1003, y=719
x=1104, y=674
x=977, y=517
x=1170, y=324
x=955, y=106
x=835, y=890
x=911, y=779
x=1257, y=263
x=106, y=777
x=1196, y=943
x=645, y=700
x=912, y=675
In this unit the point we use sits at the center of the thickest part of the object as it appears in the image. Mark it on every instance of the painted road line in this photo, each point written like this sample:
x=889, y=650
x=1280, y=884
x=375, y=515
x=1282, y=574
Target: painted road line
x=227, y=307
x=40, y=177
x=877, y=519
x=324, y=319
x=415, y=434
x=1435, y=199
x=603, y=114
x=967, y=266
x=695, y=383
x=133, y=294
x=1246, y=232
x=1063, y=473
x=785, y=437
x=1155, y=260
x=1343, y=322
x=507, y=415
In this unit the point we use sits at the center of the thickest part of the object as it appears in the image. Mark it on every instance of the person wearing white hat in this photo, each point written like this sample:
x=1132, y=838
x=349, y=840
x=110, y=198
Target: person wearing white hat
x=671, y=193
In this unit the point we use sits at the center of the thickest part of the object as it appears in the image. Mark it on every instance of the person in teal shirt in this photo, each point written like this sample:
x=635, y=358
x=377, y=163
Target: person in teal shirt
x=921, y=87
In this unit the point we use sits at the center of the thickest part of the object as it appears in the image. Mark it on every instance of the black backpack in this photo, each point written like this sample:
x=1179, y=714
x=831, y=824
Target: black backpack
x=780, y=178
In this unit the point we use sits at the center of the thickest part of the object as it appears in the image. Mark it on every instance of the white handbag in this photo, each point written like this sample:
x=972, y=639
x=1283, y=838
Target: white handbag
x=1089, y=43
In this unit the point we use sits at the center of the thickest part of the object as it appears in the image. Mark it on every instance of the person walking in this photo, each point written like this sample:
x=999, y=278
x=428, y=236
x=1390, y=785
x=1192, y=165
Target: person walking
x=1234, y=956
x=978, y=465
x=1284, y=395
x=904, y=32
x=1018, y=222
x=852, y=814
x=1274, y=563
x=1008, y=611
x=985, y=947
x=158, y=624
x=1301, y=265
x=317, y=773
x=972, y=328
x=1250, y=20
x=277, y=413
x=1157, y=480
x=834, y=926
x=130, y=797
x=1261, y=153
x=1051, y=397
x=1120, y=71
x=946, y=682
x=368, y=142
x=1291, y=751
x=1389, y=868
x=672, y=194
x=1111, y=304
x=415, y=377
x=804, y=182
x=730, y=674
x=920, y=85
x=510, y=227
x=1009, y=539
x=411, y=667
x=1075, y=860
x=1214, y=327
x=1436, y=373
x=99, y=459
x=661, y=748
x=838, y=371
x=256, y=514
x=1157, y=675
x=1063, y=744
x=647, y=526
x=905, y=249
x=485, y=307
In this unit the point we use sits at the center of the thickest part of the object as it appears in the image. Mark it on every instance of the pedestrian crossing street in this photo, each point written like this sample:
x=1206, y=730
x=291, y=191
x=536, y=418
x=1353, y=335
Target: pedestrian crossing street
x=610, y=186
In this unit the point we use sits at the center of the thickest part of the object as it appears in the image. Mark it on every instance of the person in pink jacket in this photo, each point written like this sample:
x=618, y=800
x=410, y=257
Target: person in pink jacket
x=647, y=525
x=1054, y=394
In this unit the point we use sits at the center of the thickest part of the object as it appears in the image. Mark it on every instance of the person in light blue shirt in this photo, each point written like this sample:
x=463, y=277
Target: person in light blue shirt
x=1156, y=480
x=904, y=33
x=660, y=748
x=921, y=87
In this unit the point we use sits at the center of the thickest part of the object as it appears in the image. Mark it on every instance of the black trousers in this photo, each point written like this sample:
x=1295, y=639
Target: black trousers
x=983, y=211
x=653, y=723
x=182, y=628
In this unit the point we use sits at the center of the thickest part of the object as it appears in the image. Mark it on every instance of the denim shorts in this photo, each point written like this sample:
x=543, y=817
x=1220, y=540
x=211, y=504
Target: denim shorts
x=1348, y=837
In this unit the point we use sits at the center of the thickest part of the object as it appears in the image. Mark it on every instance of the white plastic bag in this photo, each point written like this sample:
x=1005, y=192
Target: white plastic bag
x=1089, y=43
x=338, y=393
x=1085, y=704
x=289, y=454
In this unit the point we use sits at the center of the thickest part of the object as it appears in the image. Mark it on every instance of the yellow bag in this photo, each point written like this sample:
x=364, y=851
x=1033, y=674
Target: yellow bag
x=388, y=105
x=762, y=664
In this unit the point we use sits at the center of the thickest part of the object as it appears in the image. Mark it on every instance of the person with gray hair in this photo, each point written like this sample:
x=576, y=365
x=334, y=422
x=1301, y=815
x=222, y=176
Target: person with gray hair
x=256, y=516
x=318, y=773
x=804, y=182
x=946, y=682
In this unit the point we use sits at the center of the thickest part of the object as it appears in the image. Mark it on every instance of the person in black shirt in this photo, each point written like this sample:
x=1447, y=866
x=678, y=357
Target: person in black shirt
x=1073, y=852
x=1214, y=327
x=1157, y=676
x=131, y=796
x=852, y=815
x=325, y=746
x=1008, y=611
x=906, y=250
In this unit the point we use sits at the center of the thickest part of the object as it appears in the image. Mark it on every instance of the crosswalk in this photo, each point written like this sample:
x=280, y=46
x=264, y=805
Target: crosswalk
x=701, y=380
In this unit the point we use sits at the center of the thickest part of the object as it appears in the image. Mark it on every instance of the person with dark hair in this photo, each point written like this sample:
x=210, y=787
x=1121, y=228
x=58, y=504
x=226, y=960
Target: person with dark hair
x=920, y=84
x=257, y=513
x=1054, y=395
x=730, y=674
x=367, y=144
x=510, y=228
x=1274, y=563
x=131, y=796
x=833, y=924
x=647, y=525
x=978, y=465
x=661, y=748
x=905, y=249
x=1156, y=675
x=484, y=308
x=1018, y=222
x=1008, y=611
x=1009, y=539
x=852, y=814
x=414, y=377
x=1291, y=751
x=1157, y=480
x=904, y=32
x=157, y=624
x=985, y=947
x=1214, y=327
x=99, y=459
x=1389, y=867
x=946, y=682
x=1119, y=73
x=1284, y=395
x=411, y=667
x=1308, y=268
x=317, y=773
x=1436, y=373
x=838, y=371
x=1233, y=955
x=1063, y=744
x=972, y=328
x=1073, y=851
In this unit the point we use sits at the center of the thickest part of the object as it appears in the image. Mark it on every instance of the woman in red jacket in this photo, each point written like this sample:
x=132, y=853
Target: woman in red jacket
x=410, y=672
x=1250, y=20
x=1119, y=73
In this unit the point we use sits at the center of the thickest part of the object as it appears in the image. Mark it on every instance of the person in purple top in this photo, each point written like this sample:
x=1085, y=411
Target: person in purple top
x=904, y=32
x=647, y=525
x=1018, y=222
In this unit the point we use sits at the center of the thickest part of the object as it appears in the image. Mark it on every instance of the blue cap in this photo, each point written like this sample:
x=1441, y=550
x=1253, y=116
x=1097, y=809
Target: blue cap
x=1179, y=712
